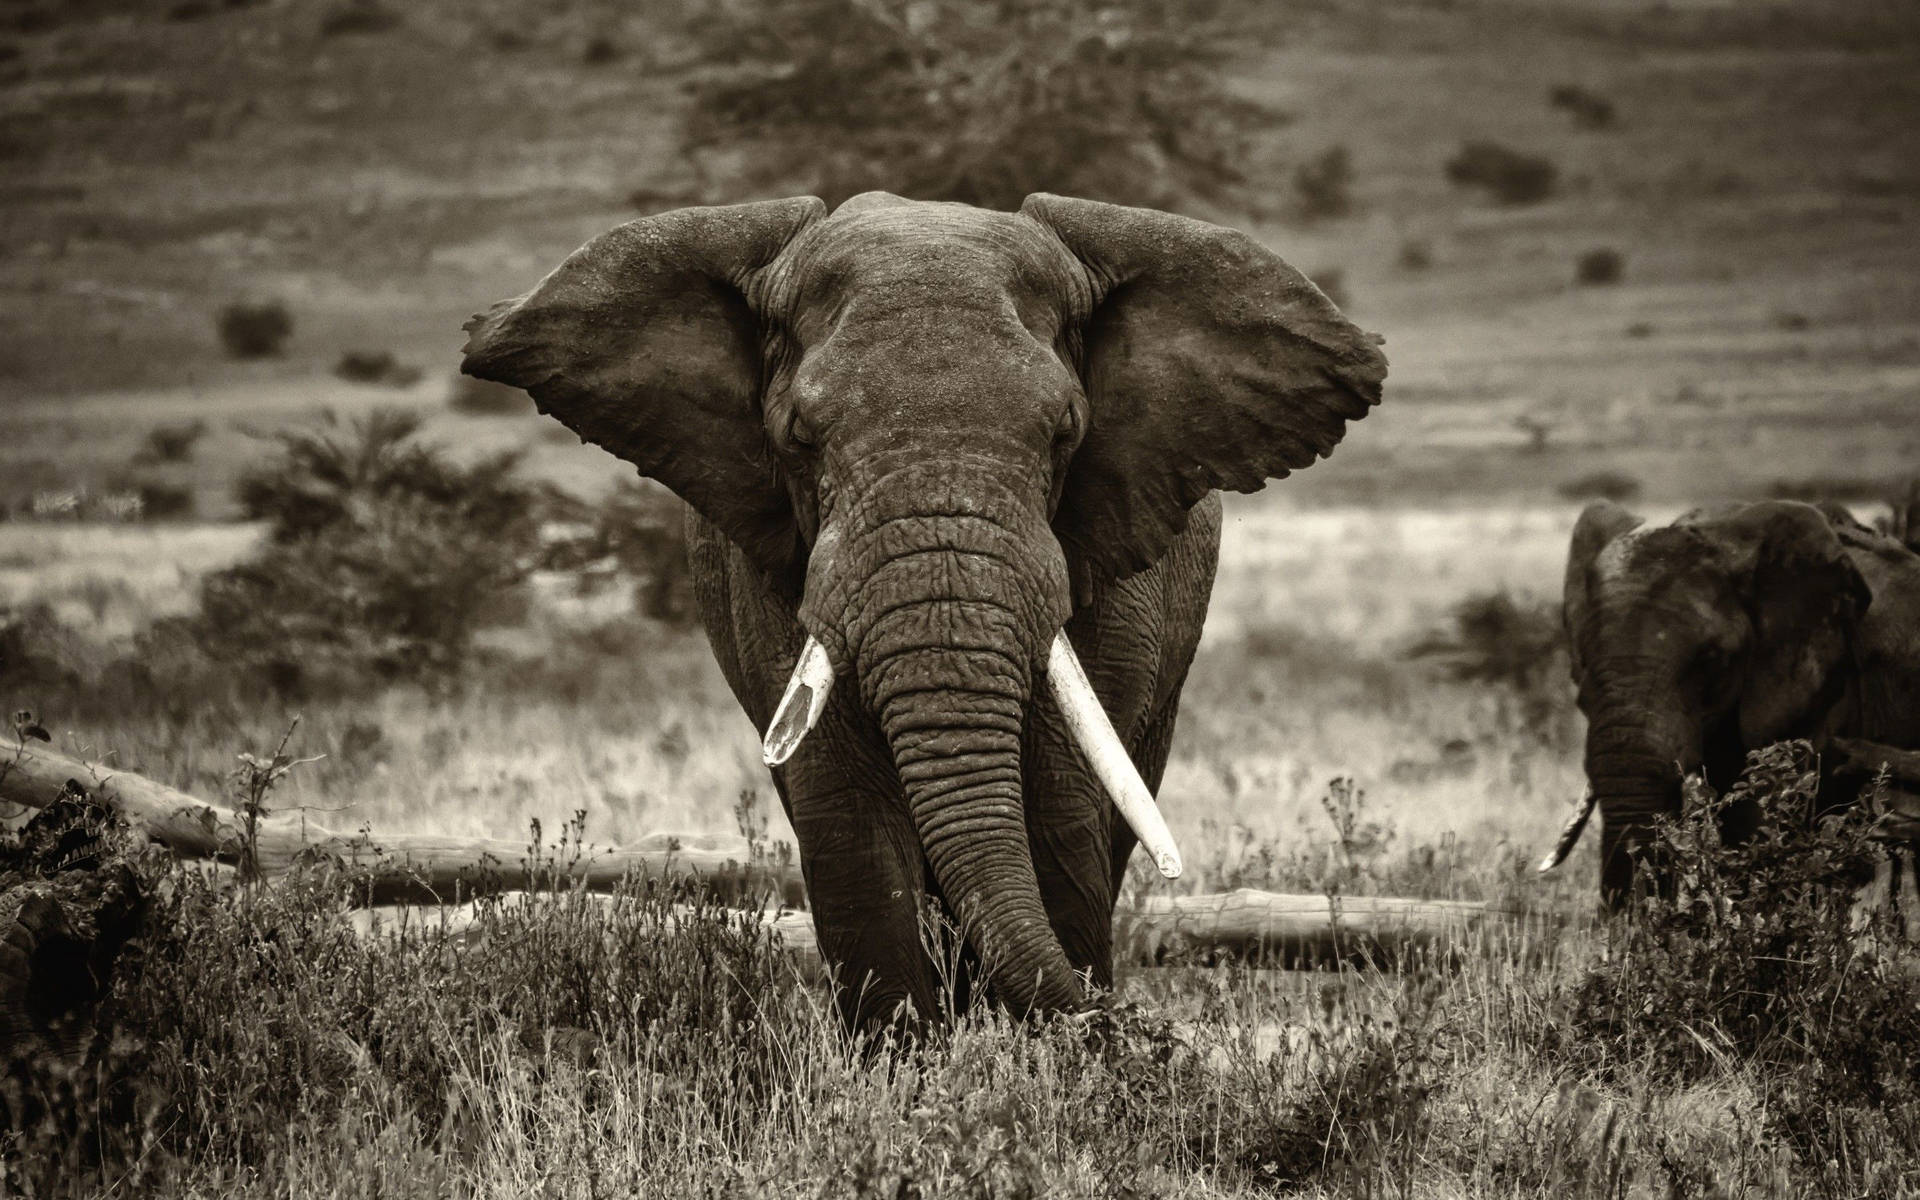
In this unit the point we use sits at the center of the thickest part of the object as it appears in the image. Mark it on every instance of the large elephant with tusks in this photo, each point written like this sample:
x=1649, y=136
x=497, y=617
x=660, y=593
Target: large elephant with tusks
x=952, y=475
x=1696, y=642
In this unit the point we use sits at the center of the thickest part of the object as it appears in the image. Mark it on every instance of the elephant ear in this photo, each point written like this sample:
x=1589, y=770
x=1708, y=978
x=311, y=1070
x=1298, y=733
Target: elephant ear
x=643, y=342
x=1805, y=597
x=1208, y=363
x=1599, y=524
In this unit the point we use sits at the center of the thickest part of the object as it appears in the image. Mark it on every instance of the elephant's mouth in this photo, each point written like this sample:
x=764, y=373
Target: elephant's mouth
x=812, y=681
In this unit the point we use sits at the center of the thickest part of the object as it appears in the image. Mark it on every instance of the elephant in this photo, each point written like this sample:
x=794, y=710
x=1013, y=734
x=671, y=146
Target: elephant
x=935, y=456
x=1729, y=629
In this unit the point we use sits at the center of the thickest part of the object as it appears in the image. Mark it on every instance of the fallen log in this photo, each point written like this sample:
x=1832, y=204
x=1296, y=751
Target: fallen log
x=429, y=868
x=1273, y=928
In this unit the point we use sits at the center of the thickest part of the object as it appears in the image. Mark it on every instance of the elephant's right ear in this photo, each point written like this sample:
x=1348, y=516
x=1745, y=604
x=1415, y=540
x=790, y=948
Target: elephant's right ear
x=643, y=342
x=1599, y=524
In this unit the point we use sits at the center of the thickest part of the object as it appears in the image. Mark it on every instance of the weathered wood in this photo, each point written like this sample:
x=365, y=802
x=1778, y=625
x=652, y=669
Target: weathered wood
x=1301, y=929
x=1287, y=929
x=432, y=869
x=422, y=867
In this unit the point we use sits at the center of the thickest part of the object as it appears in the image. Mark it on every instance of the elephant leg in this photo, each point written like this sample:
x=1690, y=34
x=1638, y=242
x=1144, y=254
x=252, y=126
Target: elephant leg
x=1069, y=825
x=866, y=877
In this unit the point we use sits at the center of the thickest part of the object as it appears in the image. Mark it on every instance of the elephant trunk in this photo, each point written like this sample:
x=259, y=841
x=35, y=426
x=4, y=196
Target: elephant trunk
x=952, y=613
x=1634, y=762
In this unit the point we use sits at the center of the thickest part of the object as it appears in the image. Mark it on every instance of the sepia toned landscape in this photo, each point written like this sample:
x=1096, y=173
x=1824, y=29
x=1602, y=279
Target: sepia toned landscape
x=246, y=491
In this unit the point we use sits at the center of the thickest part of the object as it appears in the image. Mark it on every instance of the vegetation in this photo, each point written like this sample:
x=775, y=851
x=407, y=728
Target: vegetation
x=1759, y=958
x=1617, y=486
x=254, y=329
x=981, y=101
x=1589, y=110
x=1508, y=175
x=1324, y=184
x=650, y=1042
x=1601, y=265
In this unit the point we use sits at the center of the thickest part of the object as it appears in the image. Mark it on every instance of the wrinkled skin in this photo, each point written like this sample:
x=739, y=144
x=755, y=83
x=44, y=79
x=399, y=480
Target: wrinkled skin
x=1732, y=628
x=929, y=436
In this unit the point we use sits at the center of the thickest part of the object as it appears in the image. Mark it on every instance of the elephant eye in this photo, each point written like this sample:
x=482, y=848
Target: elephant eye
x=798, y=434
x=1067, y=432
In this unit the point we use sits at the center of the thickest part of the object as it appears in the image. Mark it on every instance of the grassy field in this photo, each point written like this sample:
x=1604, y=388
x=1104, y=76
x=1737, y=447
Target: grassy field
x=1762, y=339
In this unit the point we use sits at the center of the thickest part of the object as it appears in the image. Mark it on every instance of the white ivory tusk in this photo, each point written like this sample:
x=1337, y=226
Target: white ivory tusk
x=801, y=705
x=1088, y=723
x=1569, y=834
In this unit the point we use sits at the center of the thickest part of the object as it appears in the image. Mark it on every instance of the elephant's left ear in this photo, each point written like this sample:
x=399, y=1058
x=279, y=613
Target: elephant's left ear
x=1208, y=363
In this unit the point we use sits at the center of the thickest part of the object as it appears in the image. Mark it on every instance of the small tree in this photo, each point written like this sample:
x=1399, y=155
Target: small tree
x=981, y=101
x=383, y=557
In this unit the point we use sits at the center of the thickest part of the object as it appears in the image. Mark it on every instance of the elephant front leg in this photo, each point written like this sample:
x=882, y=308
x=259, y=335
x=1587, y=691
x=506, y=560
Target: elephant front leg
x=866, y=883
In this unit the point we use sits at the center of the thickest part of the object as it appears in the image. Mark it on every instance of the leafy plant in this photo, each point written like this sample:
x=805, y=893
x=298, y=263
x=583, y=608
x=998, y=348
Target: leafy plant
x=1756, y=958
x=981, y=101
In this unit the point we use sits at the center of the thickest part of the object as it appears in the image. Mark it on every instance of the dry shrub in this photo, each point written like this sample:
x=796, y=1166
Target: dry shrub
x=171, y=443
x=1602, y=265
x=254, y=329
x=981, y=101
x=358, y=17
x=1617, y=486
x=1323, y=185
x=1589, y=110
x=1508, y=175
x=1516, y=644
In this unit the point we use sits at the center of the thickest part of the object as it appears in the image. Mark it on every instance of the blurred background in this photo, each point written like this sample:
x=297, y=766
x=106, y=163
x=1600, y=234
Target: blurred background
x=1657, y=252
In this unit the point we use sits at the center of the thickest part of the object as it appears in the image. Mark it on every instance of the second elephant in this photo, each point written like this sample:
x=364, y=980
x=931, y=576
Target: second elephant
x=1696, y=642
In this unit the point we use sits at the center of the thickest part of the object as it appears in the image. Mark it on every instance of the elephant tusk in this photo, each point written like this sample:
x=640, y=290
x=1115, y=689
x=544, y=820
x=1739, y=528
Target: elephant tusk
x=801, y=705
x=1569, y=834
x=1088, y=724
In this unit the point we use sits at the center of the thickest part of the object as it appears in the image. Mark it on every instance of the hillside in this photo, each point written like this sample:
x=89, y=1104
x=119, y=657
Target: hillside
x=385, y=172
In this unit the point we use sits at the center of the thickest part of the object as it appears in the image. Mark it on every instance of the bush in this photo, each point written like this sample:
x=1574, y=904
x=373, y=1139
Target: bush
x=245, y=1022
x=637, y=534
x=485, y=398
x=383, y=557
x=358, y=17
x=1602, y=265
x=1508, y=175
x=1589, y=110
x=1755, y=960
x=1517, y=644
x=1617, y=486
x=171, y=443
x=375, y=367
x=1323, y=184
x=981, y=101
x=164, y=501
x=251, y=329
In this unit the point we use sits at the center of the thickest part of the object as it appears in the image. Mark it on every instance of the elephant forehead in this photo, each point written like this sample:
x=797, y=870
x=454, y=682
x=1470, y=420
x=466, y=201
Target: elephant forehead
x=915, y=251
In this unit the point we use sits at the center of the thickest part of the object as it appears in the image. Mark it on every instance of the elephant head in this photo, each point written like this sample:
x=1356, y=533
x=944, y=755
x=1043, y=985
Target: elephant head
x=934, y=429
x=1695, y=642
